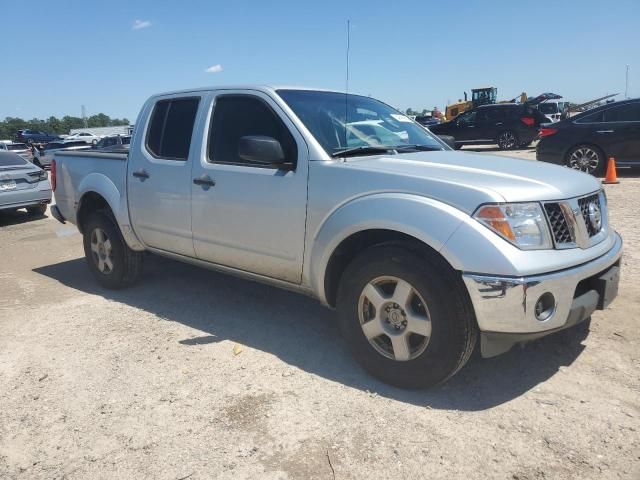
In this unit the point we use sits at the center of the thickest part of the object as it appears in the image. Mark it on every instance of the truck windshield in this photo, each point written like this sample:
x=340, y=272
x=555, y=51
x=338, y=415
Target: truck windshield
x=343, y=122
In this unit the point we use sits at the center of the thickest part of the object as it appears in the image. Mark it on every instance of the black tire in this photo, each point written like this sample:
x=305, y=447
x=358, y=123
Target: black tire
x=598, y=170
x=507, y=140
x=453, y=326
x=126, y=263
x=37, y=210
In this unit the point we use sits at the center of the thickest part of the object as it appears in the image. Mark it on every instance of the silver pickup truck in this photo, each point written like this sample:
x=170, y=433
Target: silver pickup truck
x=424, y=252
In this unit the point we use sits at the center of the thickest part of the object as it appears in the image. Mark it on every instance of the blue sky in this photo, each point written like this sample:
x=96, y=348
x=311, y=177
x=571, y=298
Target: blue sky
x=408, y=53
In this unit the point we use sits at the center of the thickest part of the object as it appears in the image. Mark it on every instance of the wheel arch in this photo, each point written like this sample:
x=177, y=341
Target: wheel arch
x=98, y=192
x=420, y=223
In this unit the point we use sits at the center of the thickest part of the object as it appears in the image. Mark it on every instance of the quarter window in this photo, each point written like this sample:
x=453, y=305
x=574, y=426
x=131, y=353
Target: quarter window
x=171, y=128
x=236, y=116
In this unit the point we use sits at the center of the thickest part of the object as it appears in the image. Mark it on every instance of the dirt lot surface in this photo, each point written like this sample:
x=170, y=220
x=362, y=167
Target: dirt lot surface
x=193, y=374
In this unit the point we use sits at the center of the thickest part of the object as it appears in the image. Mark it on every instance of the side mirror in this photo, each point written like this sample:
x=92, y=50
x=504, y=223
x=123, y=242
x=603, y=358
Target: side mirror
x=261, y=149
x=449, y=140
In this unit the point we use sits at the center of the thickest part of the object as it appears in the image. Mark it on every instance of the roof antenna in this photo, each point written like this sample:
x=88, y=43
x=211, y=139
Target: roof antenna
x=346, y=92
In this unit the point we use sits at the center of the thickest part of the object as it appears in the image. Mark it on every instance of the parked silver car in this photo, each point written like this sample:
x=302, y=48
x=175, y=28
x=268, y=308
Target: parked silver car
x=23, y=185
x=43, y=157
x=21, y=149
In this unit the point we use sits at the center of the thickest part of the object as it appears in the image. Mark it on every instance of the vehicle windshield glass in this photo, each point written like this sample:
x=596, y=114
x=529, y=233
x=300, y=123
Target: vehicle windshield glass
x=17, y=146
x=548, y=108
x=340, y=121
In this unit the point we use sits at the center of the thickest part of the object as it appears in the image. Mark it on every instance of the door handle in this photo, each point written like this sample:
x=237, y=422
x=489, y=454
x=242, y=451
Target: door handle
x=141, y=174
x=604, y=131
x=204, y=181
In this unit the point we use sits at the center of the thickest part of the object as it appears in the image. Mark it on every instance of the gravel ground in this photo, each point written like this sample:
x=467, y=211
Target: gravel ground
x=193, y=374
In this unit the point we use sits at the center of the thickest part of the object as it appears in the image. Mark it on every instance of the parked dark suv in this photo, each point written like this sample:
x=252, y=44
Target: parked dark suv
x=585, y=141
x=510, y=125
x=35, y=136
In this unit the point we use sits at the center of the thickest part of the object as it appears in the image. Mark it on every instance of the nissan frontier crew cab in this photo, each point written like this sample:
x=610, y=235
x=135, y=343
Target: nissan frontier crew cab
x=424, y=252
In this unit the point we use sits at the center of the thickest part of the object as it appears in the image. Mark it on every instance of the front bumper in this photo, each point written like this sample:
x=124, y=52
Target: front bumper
x=505, y=307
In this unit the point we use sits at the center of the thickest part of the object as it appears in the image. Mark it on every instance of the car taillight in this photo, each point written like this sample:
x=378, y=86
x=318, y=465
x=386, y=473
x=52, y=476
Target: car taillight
x=545, y=131
x=528, y=121
x=53, y=175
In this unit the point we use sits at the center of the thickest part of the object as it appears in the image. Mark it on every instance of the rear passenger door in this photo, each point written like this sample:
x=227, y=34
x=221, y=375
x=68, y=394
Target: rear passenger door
x=466, y=127
x=621, y=129
x=159, y=175
x=246, y=215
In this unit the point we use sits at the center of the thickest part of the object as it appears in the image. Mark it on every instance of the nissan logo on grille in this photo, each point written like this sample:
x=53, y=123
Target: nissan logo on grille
x=595, y=216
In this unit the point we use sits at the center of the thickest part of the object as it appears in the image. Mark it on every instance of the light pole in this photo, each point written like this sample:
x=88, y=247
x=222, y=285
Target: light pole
x=626, y=83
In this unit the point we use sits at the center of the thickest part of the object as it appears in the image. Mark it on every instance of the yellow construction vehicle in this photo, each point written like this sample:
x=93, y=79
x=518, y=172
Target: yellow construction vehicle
x=479, y=96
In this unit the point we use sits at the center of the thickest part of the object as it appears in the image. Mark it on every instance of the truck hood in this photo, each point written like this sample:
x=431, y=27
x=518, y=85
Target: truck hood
x=467, y=180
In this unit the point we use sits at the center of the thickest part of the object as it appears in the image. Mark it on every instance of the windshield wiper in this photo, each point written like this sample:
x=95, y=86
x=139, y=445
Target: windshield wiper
x=416, y=147
x=361, y=150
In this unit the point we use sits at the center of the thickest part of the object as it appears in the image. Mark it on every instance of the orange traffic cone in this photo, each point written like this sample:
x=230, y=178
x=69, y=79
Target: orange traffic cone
x=612, y=175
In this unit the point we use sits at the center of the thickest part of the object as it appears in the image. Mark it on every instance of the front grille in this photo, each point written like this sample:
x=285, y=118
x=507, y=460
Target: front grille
x=583, y=203
x=558, y=222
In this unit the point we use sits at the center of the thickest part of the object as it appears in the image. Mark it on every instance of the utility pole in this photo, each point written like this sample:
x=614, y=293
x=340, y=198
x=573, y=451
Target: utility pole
x=84, y=116
x=626, y=83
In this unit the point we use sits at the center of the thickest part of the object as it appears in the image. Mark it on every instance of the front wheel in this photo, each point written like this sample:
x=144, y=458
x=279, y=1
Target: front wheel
x=507, y=140
x=407, y=318
x=110, y=259
x=587, y=159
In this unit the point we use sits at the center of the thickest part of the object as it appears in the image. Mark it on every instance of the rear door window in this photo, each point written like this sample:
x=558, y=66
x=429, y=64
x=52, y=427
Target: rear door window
x=593, y=118
x=171, y=128
x=623, y=113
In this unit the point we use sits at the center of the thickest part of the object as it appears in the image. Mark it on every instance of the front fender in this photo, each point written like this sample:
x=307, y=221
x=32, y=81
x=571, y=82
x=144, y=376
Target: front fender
x=425, y=219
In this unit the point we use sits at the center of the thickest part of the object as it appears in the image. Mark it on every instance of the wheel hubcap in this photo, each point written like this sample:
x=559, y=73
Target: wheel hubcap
x=584, y=159
x=394, y=318
x=101, y=251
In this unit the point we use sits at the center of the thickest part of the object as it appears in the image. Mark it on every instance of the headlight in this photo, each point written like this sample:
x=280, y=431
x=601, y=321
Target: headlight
x=522, y=224
x=42, y=175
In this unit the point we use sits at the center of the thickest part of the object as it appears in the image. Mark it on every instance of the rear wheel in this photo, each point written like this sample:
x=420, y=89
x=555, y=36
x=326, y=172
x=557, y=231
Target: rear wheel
x=507, y=140
x=402, y=318
x=38, y=210
x=110, y=260
x=586, y=158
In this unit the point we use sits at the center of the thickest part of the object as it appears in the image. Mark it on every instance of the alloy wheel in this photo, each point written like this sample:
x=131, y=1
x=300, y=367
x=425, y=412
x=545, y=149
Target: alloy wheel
x=584, y=159
x=101, y=251
x=507, y=140
x=394, y=318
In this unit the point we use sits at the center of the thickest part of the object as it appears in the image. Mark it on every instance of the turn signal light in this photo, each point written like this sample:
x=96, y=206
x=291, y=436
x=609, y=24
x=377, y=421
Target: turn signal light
x=494, y=217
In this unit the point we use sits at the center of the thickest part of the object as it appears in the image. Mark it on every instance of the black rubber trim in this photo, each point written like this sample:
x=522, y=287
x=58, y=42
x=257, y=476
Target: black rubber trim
x=496, y=343
x=57, y=215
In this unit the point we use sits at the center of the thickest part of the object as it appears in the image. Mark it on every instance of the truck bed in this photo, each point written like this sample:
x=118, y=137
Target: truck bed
x=77, y=172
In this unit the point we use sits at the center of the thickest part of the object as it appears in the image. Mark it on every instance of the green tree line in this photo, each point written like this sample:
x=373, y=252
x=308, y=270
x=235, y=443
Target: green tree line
x=11, y=125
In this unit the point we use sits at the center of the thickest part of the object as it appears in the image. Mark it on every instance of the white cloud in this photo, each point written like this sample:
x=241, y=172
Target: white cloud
x=138, y=24
x=214, y=68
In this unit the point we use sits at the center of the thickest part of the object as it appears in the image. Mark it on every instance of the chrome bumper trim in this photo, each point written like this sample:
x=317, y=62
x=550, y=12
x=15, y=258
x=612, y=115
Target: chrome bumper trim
x=507, y=304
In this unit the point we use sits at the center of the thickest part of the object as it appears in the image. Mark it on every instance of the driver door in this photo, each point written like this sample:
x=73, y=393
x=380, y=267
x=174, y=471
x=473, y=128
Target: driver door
x=246, y=215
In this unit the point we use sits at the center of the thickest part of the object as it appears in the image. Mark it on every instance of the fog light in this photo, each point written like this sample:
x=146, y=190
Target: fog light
x=545, y=306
